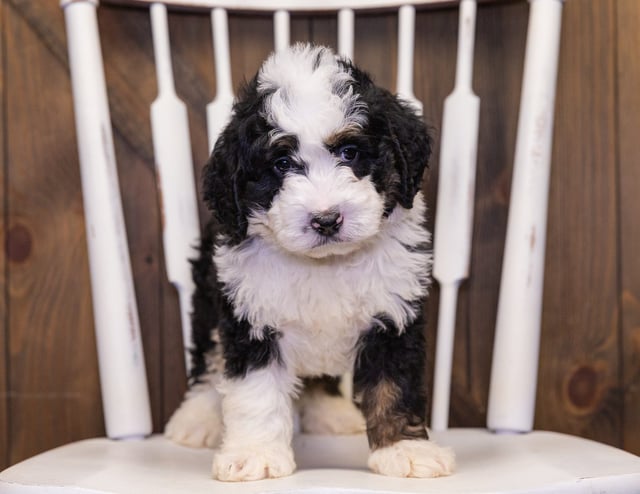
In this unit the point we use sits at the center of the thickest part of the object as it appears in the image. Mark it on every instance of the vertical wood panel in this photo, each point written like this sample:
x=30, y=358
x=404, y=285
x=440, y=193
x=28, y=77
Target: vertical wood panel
x=578, y=390
x=4, y=361
x=53, y=379
x=251, y=42
x=500, y=45
x=628, y=123
x=130, y=73
x=435, y=48
x=323, y=30
x=376, y=47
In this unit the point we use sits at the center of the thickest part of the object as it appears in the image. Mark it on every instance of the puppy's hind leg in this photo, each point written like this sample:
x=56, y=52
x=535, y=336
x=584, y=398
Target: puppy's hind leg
x=323, y=409
x=198, y=421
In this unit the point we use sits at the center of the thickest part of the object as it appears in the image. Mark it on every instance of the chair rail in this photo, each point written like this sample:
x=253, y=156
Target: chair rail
x=295, y=6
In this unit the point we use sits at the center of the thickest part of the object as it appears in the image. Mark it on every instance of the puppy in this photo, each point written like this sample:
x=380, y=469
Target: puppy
x=318, y=265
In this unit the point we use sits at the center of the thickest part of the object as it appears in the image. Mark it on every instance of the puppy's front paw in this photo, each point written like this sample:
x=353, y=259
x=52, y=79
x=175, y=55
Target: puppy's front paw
x=253, y=464
x=197, y=422
x=413, y=458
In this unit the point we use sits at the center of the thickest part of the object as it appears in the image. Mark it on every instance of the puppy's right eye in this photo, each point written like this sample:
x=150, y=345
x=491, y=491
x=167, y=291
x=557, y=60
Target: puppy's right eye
x=283, y=164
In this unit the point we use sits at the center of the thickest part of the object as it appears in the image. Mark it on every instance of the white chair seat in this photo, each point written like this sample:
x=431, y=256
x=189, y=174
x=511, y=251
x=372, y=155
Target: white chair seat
x=538, y=462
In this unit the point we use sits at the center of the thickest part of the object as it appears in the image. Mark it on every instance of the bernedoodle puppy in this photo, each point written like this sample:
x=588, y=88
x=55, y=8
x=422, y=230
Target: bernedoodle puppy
x=317, y=264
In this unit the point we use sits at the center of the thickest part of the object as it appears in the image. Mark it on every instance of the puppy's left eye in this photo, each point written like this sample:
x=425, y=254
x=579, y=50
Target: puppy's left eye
x=348, y=153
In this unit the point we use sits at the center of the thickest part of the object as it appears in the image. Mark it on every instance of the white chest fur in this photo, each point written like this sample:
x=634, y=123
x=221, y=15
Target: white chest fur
x=321, y=306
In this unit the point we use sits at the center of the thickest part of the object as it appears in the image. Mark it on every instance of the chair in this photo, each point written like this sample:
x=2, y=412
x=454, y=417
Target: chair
x=506, y=457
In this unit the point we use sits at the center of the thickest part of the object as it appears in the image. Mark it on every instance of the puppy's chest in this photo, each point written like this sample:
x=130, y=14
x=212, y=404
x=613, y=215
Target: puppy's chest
x=321, y=308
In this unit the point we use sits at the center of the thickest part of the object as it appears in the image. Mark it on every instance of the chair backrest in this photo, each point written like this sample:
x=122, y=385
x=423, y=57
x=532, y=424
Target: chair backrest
x=121, y=360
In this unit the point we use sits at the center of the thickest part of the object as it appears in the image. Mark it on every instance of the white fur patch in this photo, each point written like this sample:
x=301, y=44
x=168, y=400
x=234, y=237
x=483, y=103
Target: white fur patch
x=311, y=94
x=322, y=306
x=258, y=421
x=413, y=458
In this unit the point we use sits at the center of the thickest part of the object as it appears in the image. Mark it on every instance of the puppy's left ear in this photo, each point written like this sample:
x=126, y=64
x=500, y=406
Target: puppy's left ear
x=223, y=176
x=411, y=144
x=404, y=145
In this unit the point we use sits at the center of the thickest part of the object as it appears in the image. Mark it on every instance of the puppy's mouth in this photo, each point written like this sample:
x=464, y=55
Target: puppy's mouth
x=332, y=246
x=326, y=242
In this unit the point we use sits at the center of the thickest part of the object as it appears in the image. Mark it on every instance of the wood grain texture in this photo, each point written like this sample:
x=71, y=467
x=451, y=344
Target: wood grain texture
x=579, y=388
x=4, y=331
x=628, y=123
x=53, y=370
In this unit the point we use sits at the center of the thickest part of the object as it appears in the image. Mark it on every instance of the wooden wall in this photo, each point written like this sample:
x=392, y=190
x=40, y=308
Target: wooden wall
x=590, y=354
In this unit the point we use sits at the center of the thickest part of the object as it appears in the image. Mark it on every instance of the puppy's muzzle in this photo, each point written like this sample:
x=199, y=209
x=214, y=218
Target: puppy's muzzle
x=327, y=223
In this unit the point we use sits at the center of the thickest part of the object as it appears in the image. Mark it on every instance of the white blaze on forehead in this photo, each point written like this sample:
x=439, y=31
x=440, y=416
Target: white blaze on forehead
x=311, y=93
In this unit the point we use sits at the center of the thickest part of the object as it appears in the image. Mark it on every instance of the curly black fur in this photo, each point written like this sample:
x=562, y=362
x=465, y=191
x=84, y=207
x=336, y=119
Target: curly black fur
x=389, y=382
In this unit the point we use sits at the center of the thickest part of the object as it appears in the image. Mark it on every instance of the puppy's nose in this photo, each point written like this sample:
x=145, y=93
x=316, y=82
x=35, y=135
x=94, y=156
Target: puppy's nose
x=327, y=223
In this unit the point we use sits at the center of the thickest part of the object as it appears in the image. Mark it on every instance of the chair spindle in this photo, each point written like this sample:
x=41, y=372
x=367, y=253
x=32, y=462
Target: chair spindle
x=346, y=22
x=454, y=212
x=406, y=44
x=515, y=356
x=174, y=167
x=281, y=30
x=219, y=109
x=123, y=380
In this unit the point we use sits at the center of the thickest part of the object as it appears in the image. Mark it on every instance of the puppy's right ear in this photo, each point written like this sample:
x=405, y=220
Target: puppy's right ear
x=229, y=169
x=223, y=176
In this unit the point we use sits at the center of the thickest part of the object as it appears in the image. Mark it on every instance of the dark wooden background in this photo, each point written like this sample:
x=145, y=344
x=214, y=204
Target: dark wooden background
x=589, y=381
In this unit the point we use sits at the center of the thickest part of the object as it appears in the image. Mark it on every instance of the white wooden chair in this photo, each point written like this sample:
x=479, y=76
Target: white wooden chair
x=506, y=457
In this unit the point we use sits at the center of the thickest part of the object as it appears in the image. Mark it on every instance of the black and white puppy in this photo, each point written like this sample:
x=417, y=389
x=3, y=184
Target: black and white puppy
x=318, y=265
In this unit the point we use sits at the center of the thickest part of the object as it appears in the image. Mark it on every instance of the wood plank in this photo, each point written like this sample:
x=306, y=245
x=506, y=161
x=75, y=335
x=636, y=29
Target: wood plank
x=578, y=390
x=131, y=82
x=436, y=35
x=53, y=377
x=628, y=123
x=4, y=332
x=252, y=43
